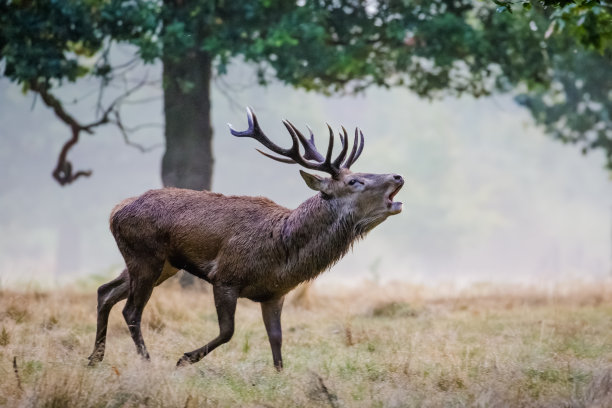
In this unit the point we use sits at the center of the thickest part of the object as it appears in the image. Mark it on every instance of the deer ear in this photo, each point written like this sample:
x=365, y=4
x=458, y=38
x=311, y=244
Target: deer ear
x=315, y=182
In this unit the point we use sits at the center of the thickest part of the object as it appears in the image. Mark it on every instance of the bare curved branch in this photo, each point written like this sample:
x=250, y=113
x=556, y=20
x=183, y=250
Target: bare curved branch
x=125, y=131
x=64, y=173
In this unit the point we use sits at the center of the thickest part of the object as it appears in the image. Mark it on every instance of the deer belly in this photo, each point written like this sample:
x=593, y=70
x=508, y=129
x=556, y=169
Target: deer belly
x=264, y=291
x=202, y=269
x=258, y=295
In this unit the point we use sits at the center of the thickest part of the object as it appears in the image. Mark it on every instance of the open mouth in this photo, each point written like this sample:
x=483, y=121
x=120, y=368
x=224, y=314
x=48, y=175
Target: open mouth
x=394, y=207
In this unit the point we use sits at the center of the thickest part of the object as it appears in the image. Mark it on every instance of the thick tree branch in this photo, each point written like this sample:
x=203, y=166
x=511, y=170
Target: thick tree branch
x=54, y=103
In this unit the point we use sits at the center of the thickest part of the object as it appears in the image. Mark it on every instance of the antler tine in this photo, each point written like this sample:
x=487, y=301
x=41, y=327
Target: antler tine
x=280, y=159
x=342, y=154
x=321, y=164
x=330, y=145
x=311, y=159
x=255, y=132
x=351, y=158
x=360, y=147
x=312, y=141
x=310, y=151
x=294, y=153
x=295, y=147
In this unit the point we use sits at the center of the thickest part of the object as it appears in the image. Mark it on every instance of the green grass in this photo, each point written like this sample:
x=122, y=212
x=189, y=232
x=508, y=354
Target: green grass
x=395, y=346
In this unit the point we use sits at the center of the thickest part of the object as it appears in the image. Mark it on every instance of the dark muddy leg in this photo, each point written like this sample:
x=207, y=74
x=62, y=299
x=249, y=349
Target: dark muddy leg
x=108, y=295
x=271, y=312
x=143, y=276
x=225, y=302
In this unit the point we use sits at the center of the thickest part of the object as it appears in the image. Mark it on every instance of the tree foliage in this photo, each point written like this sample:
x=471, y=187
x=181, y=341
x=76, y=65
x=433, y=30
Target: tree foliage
x=574, y=99
x=319, y=45
x=588, y=21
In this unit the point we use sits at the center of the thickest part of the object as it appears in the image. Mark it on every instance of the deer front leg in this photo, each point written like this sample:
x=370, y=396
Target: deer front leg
x=271, y=312
x=225, y=303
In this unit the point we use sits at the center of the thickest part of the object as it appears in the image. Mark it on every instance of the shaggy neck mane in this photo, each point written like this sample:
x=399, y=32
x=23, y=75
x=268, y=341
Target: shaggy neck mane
x=315, y=236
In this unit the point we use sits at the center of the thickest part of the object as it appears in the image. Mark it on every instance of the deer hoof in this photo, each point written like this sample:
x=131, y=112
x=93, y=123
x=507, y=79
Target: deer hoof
x=94, y=359
x=183, y=361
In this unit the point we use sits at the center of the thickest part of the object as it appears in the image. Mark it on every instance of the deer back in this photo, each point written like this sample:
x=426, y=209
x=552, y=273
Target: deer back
x=194, y=229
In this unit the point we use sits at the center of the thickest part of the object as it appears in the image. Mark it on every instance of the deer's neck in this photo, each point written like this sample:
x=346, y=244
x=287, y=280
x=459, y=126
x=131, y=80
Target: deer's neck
x=315, y=236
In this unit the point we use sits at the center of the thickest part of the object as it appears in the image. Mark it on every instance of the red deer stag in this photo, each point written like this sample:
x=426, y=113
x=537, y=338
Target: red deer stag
x=244, y=246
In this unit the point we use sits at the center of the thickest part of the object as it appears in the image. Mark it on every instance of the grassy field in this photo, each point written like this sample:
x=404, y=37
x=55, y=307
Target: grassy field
x=375, y=346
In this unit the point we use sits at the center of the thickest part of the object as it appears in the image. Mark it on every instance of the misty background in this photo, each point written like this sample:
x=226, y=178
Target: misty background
x=489, y=197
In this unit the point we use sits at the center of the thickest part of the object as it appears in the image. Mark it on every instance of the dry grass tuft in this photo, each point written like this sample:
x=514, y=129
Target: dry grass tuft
x=5, y=337
x=394, y=309
x=388, y=346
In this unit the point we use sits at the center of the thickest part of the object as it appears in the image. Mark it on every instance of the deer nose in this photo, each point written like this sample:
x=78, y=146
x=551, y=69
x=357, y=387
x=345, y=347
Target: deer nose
x=398, y=178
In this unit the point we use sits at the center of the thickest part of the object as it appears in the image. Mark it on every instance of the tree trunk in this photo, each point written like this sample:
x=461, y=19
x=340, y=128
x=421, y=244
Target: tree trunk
x=188, y=160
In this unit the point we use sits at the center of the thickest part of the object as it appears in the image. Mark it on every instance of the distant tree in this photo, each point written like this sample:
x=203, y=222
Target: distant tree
x=432, y=47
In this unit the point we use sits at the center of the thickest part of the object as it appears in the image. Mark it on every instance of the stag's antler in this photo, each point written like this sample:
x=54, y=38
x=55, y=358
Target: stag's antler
x=311, y=159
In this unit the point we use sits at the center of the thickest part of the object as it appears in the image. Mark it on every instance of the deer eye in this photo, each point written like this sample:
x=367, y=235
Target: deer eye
x=352, y=182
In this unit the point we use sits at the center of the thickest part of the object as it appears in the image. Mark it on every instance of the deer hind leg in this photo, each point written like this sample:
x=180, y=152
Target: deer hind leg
x=108, y=295
x=225, y=303
x=144, y=275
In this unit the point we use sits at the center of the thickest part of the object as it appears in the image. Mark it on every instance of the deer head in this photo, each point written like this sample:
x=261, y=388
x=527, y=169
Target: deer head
x=365, y=196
